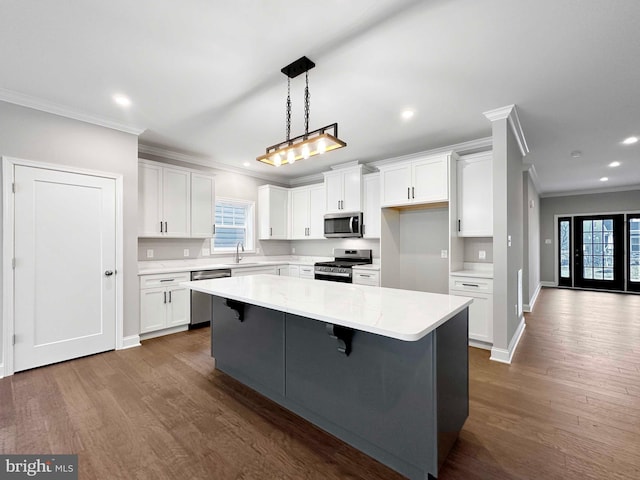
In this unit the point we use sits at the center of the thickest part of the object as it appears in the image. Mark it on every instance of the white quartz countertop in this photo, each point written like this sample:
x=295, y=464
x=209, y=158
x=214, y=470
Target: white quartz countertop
x=472, y=273
x=371, y=266
x=178, y=266
x=401, y=314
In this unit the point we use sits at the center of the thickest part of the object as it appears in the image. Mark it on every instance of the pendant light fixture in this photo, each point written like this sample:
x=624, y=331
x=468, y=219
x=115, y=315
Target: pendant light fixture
x=308, y=144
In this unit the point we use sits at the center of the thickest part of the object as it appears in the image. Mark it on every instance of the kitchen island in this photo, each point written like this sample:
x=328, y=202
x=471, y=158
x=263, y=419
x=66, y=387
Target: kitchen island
x=385, y=370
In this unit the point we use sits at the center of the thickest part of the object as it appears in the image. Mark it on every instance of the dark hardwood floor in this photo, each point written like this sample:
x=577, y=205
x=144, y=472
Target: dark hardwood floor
x=568, y=407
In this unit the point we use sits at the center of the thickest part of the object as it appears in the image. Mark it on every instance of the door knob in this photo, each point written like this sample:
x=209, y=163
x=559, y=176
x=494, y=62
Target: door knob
x=108, y=273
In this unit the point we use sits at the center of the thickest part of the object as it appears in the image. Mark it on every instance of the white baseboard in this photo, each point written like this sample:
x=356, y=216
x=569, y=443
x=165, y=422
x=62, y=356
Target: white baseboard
x=548, y=284
x=479, y=344
x=166, y=331
x=130, y=342
x=504, y=356
x=528, y=307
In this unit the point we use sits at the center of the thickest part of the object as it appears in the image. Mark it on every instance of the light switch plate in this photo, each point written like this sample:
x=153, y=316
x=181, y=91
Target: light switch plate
x=149, y=253
x=547, y=241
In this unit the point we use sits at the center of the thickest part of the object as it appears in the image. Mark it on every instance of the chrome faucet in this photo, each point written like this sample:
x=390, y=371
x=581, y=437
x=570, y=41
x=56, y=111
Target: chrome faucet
x=238, y=257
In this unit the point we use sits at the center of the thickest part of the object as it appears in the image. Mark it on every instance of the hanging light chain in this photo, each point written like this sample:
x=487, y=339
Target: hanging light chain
x=288, y=109
x=306, y=105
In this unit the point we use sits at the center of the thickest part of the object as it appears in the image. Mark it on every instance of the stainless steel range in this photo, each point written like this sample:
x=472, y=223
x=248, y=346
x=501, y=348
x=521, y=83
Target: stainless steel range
x=340, y=269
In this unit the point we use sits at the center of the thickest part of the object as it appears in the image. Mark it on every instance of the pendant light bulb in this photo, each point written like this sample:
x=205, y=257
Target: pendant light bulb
x=291, y=157
x=305, y=152
x=277, y=160
x=322, y=146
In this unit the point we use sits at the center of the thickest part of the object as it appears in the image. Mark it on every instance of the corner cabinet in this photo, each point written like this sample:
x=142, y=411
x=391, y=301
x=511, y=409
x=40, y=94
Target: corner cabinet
x=306, y=211
x=272, y=213
x=343, y=190
x=163, y=200
x=203, y=210
x=418, y=181
x=475, y=195
x=371, y=212
x=163, y=302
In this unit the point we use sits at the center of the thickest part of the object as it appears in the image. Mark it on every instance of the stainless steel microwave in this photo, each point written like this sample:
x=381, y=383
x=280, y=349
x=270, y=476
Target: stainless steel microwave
x=343, y=225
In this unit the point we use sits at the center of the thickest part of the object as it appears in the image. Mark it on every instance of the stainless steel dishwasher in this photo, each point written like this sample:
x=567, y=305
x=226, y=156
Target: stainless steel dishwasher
x=201, y=302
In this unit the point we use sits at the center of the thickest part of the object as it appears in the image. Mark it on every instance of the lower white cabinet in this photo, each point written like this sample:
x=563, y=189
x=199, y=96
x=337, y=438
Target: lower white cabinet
x=261, y=270
x=365, y=276
x=163, y=302
x=481, y=310
x=282, y=270
x=306, y=271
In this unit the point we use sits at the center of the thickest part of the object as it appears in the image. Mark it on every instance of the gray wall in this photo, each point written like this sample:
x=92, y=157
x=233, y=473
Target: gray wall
x=473, y=245
x=34, y=135
x=531, y=247
x=507, y=221
x=228, y=184
x=611, y=202
x=324, y=248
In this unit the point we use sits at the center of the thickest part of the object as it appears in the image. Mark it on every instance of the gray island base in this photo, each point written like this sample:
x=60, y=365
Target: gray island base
x=400, y=402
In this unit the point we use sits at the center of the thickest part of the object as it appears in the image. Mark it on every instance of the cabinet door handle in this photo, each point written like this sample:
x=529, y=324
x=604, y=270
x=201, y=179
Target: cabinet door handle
x=471, y=285
x=413, y=192
x=408, y=193
x=166, y=229
x=169, y=296
x=363, y=275
x=161, y=230
x=165, y=297
x=214, y=228
x=458, y=224
x=167, y=280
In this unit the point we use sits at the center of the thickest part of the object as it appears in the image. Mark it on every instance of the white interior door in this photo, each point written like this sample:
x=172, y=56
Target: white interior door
x=65, y=247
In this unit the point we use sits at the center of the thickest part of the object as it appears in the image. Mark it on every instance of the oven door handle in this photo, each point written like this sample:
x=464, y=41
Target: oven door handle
x=333, y=274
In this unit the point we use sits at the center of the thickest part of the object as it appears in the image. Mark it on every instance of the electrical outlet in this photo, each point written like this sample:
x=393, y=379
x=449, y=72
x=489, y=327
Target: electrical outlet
x=206, y=252
x=444, y=254
x=482, y=254
x=149, y=253
x=293, y=249
x=508, y=240
x=186, y=252
x=547, y=241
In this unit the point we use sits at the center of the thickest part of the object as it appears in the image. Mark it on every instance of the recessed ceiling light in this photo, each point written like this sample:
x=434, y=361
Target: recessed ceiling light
x=407, y=114
x=122, y=100
x=604, y=179
x=576, y=154
x=246, y=164
x=614, y=164
x=630, y=140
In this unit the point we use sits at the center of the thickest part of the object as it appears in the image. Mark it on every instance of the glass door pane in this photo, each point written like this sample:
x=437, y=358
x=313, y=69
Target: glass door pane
x=633, y=261
x=599, y=252
x=564, y=252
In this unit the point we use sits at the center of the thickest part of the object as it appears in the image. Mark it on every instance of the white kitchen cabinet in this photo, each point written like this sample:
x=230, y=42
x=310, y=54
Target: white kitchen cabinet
x=306, y=271
x=257, y=270
x=282, y=270
x=475, y=195
x=163, y=302
x=307, y=212
x=164, y=201
x=272, y=212
x=203, y=211
x=294, y=271
x=366, y=276
x=480, y=311
x=371, y=212
x=343, y=189
x=417, y=181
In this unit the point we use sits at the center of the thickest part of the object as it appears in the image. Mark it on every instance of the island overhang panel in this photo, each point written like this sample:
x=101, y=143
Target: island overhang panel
x=402, y=402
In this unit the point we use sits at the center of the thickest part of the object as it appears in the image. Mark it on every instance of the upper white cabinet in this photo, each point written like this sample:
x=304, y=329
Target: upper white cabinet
x=475, y=195
x=424, y=180
x=164, y=201
x=307, y=212
x=371, y=213
x=203, y=199
x=272, y=212
x=343, y=190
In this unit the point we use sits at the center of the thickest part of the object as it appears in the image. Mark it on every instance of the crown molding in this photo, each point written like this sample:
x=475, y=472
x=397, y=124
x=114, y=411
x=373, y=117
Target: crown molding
x=592, y=191
x=471, y=146
x=510, y=112
x=533, y=175
x=307, y=179
x=24, y=100
x=183, y=157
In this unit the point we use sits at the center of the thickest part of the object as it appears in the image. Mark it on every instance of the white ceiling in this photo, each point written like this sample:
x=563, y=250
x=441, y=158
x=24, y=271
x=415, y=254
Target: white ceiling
x=204, y=76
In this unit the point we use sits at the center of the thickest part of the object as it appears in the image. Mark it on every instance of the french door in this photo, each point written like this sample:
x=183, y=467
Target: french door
x=599, y=258
x=633, y=247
